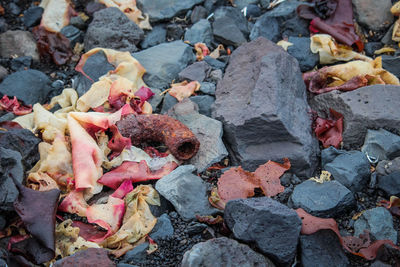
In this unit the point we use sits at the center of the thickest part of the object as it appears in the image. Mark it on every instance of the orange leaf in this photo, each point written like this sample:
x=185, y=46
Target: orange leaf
x=184, y=89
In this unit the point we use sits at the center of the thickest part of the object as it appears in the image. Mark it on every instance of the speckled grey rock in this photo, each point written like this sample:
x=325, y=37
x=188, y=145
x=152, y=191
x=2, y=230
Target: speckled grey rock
x=207, y=130
x=223, y=252
x=186, y=191
x=379, y=222
x=273, y=227
x=381, y=144
x=329, y=199
x=373, y=15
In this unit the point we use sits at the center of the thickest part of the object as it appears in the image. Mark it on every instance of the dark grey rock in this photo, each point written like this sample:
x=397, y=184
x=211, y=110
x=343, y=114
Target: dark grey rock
x=371, y=47
x=137, y=254
x=322, y=249
x=251, y=101
x=21, y=63
x=386, y=167
x=174, y=32
x=32, y=16
x=369, y=107
x=200, y=32
x=77, y=22
x=390, y=184
x=110, y=28
x=212, y=5
x=156, y=36
x=126, y=265
x=93, y=7
x=351, y=169
x=166, y=9
x=73, y=34
x=387, y=38
x=96, y=66
x=195, y=72
x=285, y=10
x=20, y=43
x=207, y=130
x=10, y=166
x=29, y=86
x=164, y=62
x=223, y=252
x=168, y=103
x=207, y=88
x=9, y=116
x=186, y=191
x=3, y=25
x=381, y=144
x=273, y=227
x=253, y=11
x=156, y=99
x=3, y=223
x=302, y=52
x=162, y=229
x=195, y=228
x=24, y=142
x=199, y=12
x=373, y=15
x=215, y=63
x=215, y=76
x=329, y=199
x=296, y=27
x=329, y=154
x=379, y=222
x=240, y=4
x=267, y=27
x=14, y=9
x=391, y=64
x=3, y=73
x=204, y=102
x=164, y=207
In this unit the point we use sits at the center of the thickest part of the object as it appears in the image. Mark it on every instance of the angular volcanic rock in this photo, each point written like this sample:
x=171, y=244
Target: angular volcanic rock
x=262, y=104
x=159, y=10
x=369, y=107
x=381, y=144
x=273, y=227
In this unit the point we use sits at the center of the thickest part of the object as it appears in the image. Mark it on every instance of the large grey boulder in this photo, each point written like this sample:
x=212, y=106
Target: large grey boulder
x=187, y=192
x=207, y=130
x=111, y=28
x=223, y=252
x=160, y=10
x=164, y=62
x=273, y=227
x=373, y=15
x=369, y=107
x=20, y=43
x=262, y=103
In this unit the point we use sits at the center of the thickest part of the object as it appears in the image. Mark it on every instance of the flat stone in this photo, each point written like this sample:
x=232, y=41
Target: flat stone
x=390, y=184
x=207, y=88
x=20, y=43
x=391, y=64
x=373, y=15
x=157, y=35
x=168, y=103
x=207, y=130
x=381, y=144
x=322, y=249
x=369, y=107
x=225, y=252
x=110, y=28
x=10, y=164
x=215, y=63
x=32, y=16
x=386, y=167
x=379, y=222
x=327, y=200
x=200, y=32
x=186, y=191
x=204, y=102
x=137, y=254
x=164, y=62
x=351, y=169
x=267, y=27
x=197, y=71
x=29, y=86
x=199, y=12
x=194, y=228
x=73, y=34
x=87, y=257
x=251, y=101
x=302, y=52
x=162, y=229
x=160, y=10
x=273, y=227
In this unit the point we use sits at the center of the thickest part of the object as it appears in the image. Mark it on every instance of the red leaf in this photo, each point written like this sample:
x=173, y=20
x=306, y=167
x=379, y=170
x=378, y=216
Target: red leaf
x=14, y=106
x=329, y=131
x=89, y=231
x=123, y=189
x=118, y=143
x=154, y=153
x=144, y=93
x=135, y=172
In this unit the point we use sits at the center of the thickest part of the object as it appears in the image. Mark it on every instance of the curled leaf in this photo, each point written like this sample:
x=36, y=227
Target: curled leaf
x=201, y=51
x=184, y=89
x=329, y=131
x=14, y=106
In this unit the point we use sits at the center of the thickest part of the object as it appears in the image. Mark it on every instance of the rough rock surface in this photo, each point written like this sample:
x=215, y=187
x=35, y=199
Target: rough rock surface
x=386, y=167
x=20, y=43
x=369, y=107
x=381, y=144
x=262, y=104
x=88, y=257
x=322, y=249
x=162, y=229
x=186, y=191
x=272, y=226
x=230, y=26
x=223, y=252
x=164, y=62
x=165, y=9
x=204, y=102
x=379, y=222
x=329, y=199
x=195, y=72
x=29, y=86
x=207, y=130
x=350, y=168
x=373, y=15
x=110, y=28
x=156, y=36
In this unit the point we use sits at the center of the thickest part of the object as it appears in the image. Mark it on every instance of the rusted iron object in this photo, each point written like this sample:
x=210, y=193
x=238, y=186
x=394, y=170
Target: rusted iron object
x=179, y=139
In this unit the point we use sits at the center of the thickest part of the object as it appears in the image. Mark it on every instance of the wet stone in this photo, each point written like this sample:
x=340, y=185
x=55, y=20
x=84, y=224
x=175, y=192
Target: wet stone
x=327, y=200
